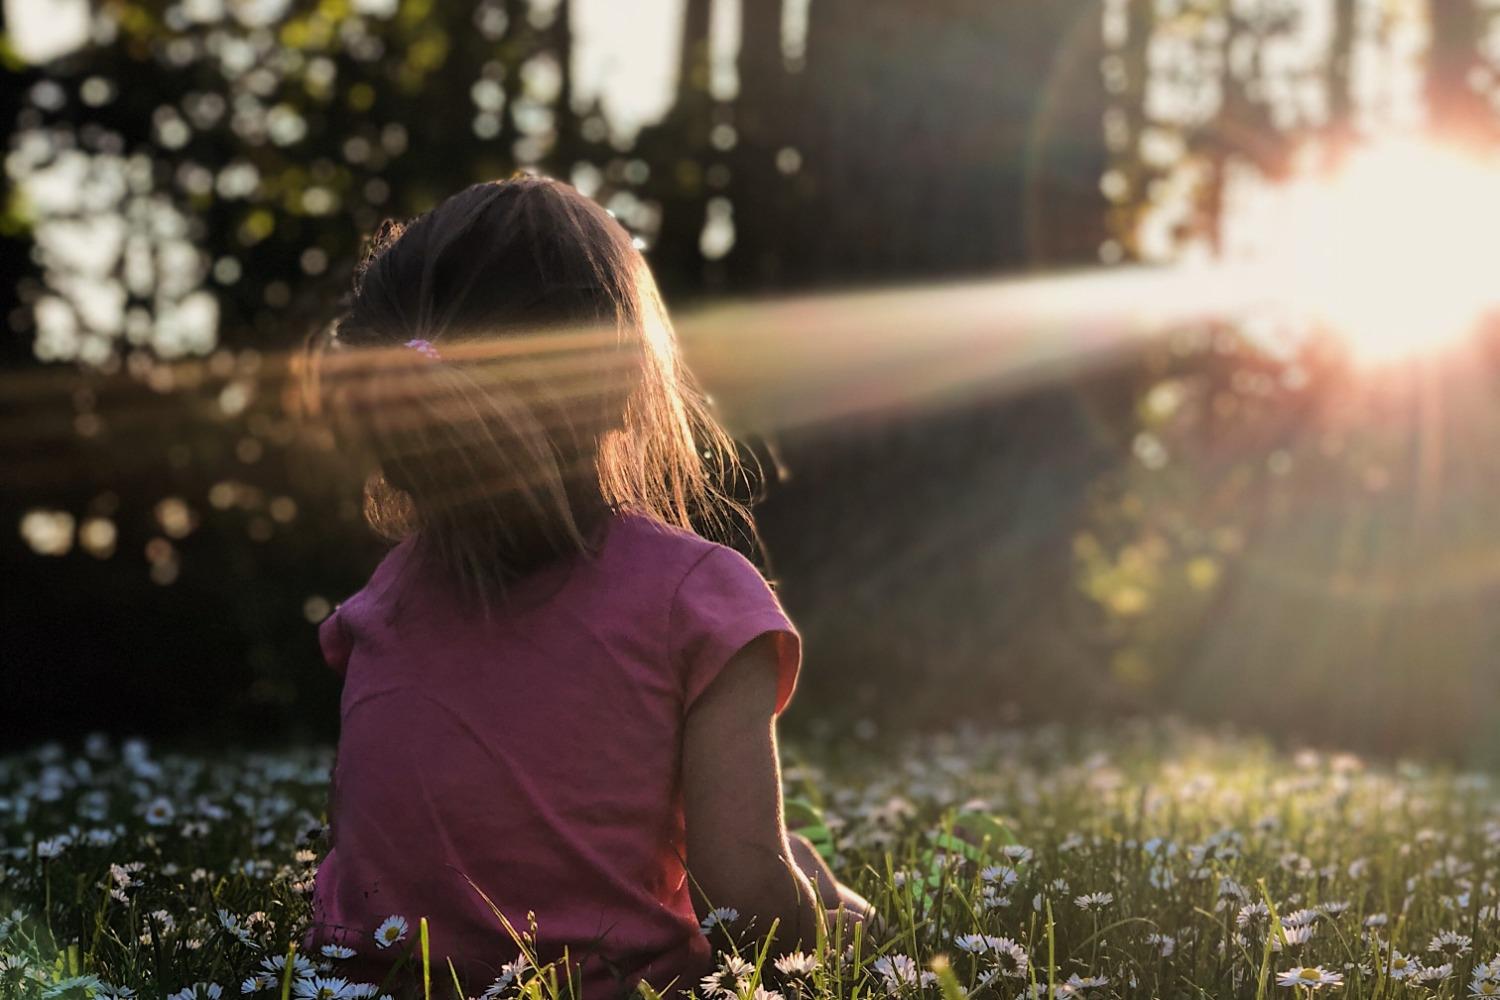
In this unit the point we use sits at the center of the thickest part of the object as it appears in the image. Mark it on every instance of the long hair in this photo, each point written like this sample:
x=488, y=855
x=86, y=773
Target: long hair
x=506, y=362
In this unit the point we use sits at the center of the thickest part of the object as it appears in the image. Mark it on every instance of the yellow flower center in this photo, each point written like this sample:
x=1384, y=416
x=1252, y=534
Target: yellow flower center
x=1311, y=974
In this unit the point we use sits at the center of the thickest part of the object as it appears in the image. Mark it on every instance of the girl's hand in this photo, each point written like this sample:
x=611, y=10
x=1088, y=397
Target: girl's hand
x=836, y=897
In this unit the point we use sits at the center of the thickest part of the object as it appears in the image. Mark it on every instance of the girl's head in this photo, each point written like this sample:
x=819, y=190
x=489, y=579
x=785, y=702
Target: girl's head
x=542, y=388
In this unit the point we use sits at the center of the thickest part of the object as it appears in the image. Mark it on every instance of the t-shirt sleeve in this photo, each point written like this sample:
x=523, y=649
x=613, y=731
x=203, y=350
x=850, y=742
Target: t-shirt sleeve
x=721, y=605
x=333, y=641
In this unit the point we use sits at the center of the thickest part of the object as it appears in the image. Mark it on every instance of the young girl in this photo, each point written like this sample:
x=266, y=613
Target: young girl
x=559, y=701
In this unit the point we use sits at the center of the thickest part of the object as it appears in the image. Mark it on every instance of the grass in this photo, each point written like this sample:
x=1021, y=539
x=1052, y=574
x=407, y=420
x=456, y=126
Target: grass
x=1147, y=861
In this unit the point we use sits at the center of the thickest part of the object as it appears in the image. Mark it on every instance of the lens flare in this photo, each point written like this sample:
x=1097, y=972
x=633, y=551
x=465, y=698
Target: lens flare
x=1393, y=253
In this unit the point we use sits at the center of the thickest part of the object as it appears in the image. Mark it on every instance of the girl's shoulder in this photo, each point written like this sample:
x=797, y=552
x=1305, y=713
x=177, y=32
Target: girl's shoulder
x=336, y=631
x=646, y=541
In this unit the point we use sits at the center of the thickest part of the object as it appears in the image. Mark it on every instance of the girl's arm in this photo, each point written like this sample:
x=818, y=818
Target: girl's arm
x=738, y=854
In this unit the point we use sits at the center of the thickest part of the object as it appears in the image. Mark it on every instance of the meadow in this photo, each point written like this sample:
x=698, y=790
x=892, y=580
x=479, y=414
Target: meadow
x=1134, y=861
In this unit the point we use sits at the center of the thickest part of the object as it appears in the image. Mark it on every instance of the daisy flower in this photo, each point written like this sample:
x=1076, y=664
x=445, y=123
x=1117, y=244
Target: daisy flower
x=1433, y=973
x=391, y=931
x=65, y=987
x=731, y=978
x=1011, y=959
x=1252, y=913
x=1094, y=900
x=323, y=988
x=212, y=991
x=972, y=943
x=797, y=963
x=1165, y=942
x=993, y=899
x=1484, y=988
x=1299, y=918
x=1401, y=967
x=1450, y=942
x=50, y=848
x=338, y=951
x=1294, y=936
x=900, y=972
x=719, y=916
x=1083, y=984
x=276, y=964
x=232, y=925
x=1002, y=876
x=159, y=811
x=510, y=973
x=1313, y=978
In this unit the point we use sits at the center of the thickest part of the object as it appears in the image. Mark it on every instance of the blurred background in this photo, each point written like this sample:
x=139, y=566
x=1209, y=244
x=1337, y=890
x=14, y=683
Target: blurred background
x=1104, y=357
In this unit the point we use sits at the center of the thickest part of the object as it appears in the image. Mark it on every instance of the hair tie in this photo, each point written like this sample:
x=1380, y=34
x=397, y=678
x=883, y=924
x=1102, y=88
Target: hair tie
x=424, y=348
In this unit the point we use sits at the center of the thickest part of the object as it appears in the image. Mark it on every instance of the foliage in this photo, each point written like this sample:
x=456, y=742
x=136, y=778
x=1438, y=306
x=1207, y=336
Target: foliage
x=1136, y=861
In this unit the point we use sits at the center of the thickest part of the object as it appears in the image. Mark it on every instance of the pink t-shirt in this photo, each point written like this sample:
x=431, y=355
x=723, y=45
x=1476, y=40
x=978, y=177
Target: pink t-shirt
x=539, y=755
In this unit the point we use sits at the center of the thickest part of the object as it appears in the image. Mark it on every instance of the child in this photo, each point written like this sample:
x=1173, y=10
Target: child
x=558, y=699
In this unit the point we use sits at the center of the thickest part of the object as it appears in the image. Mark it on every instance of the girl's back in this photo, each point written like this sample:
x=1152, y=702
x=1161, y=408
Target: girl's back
x=532, y=757
x=530, y=712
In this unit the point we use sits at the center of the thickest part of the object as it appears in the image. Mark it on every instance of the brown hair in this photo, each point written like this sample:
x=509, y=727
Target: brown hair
x=506, y=360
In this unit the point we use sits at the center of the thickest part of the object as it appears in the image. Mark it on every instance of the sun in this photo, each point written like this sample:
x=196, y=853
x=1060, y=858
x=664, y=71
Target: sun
x=1394, y=253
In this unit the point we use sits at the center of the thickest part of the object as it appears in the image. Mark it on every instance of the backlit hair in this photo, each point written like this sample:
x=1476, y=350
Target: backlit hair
x=551, y=393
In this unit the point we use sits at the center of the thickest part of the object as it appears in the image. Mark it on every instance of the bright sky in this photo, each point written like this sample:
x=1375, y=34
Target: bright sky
x=626, y=52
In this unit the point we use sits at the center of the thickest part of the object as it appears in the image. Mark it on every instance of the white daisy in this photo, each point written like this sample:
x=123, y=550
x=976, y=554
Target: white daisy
x=159, y=812
x=972, y=943
x=1252, y=913
x=900, y=972
x=1002, y=876
x=1020, y=855
x=1484, y=988
x=1433, y=973
x=50, y=848
x=391, y=931
x=1299, y=918
x=730, y=979
x=276, y=964
x=1010, y=958
x=323, y=988
x=797, y=963
x=510, y=973
x=1083, y=984
x=1450, y=942
x=198, y=991
x=1401, y=967
x=720, y=916
x=1165, y=942
x=1294, y=935
x=1312, y=977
